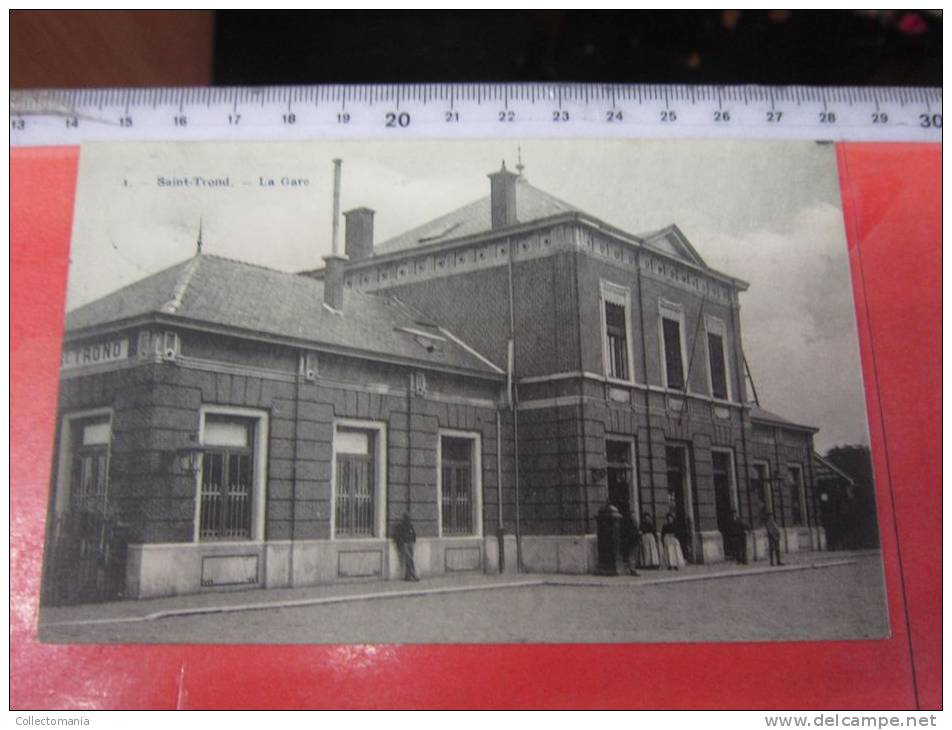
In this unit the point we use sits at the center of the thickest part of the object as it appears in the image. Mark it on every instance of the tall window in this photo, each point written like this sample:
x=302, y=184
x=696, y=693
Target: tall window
x=797, y=497
x=356, y=483
x=616, y=332
x=227, y=490
x=673, y=357
x=615, y=307
x=457, y=491
x=715, y=351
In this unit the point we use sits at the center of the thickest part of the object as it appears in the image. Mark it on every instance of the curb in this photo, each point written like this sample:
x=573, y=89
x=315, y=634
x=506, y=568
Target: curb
x=705, y=576
x=348, y=598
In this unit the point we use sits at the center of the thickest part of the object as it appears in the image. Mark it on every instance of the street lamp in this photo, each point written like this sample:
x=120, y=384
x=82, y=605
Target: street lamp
x=189, y=457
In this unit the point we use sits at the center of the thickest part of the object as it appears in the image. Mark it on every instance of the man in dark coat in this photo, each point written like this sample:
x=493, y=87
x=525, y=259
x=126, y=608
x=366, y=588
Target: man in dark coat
x=773, y=539
x=405, y=537
x=739, y=530
x=630, y=541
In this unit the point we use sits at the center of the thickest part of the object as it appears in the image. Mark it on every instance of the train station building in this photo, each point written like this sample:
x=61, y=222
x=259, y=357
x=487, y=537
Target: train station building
x=499, y=373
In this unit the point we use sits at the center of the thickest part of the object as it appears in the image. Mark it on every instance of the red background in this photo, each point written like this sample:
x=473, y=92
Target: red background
x=892, y=204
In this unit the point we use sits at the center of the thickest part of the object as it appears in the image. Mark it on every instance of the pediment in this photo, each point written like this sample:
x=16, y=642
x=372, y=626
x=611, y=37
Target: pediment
x=673, y=242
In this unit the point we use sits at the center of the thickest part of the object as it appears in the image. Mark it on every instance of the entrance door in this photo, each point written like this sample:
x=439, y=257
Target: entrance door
x=618, y=458
x=722, y=499
x=678, y=481
x=87, y=556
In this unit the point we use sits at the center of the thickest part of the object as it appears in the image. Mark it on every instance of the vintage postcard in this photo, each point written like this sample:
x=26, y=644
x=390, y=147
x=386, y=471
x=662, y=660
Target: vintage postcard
x=460, y=392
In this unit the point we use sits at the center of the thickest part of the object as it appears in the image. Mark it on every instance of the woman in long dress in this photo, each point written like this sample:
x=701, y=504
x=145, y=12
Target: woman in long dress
x=650, y=554
x=672, y=555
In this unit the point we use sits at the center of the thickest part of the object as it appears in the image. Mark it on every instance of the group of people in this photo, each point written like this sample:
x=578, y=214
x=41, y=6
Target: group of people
x=643, y=547
x=737, y=538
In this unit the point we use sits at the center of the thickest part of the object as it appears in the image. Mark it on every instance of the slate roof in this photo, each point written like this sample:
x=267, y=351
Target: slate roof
x=260, y=301
x=531, y=204
x=762, y=414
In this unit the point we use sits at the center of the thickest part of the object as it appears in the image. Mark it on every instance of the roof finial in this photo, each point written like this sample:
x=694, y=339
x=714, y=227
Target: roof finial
x=503, y=168
x=519, y=166
x=198, y=243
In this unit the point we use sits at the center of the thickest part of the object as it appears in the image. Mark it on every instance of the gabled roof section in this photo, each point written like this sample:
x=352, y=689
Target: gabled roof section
x=826, y=469
x=672, y=241
x=764, y=416
x=531, y=204
x=255, y=301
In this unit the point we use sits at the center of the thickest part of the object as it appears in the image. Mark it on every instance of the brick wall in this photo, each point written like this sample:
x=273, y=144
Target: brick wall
x=474, y=305
x=156, y=410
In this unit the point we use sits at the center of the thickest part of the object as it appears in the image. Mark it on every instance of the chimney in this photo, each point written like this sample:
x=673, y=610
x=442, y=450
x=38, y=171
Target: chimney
x=359, y=233
x=335, y=263
x=503, y=197
x=334, y=281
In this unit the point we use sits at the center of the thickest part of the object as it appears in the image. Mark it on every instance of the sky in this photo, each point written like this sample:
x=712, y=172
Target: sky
x=766, y=212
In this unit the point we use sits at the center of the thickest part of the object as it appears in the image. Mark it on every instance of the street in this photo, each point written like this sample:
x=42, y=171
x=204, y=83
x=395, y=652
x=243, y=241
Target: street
x=839, y=601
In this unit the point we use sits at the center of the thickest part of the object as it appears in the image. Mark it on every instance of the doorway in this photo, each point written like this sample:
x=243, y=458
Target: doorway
x=619, y=462
x=679, y=489
x=724, y=500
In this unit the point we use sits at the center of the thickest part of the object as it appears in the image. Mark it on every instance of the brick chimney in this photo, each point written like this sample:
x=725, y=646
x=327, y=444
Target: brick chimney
x=503, y=197
x=359, y=233
x=334, y=281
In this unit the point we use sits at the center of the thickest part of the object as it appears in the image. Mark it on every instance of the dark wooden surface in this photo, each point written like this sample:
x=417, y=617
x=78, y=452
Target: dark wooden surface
x=68, y=49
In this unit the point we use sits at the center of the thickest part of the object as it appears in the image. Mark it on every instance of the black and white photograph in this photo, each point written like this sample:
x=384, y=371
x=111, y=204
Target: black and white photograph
x=509, y=391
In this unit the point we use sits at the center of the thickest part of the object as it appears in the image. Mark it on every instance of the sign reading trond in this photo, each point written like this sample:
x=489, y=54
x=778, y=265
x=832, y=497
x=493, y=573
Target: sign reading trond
x=97, y=353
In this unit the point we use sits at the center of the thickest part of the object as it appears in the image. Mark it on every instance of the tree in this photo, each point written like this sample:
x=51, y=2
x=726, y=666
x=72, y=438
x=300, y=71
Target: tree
x=854, y=460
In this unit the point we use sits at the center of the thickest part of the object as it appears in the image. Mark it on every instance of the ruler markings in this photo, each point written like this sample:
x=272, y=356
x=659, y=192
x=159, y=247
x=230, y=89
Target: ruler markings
x=200, y=113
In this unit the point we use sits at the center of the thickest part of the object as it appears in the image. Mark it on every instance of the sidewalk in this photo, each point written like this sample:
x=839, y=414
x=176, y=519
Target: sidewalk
x=251, y=600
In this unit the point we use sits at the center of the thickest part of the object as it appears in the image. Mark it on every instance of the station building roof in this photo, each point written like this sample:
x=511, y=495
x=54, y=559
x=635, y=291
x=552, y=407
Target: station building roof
x=261, y=303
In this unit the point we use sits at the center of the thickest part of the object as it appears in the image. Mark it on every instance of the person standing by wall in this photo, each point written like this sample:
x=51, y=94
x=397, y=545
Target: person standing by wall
x=630, y=541
x=672, y=554
x=405, y=537
x=650, y=553
x=738, y=538
x=773, y=538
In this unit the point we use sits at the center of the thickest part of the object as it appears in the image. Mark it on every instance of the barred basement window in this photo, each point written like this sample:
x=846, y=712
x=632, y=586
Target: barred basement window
x=227, y=478
x=456, y=485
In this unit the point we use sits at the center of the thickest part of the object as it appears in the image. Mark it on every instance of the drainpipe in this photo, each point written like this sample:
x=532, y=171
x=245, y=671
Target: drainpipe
x=500, y=530
x=644, y=365
x=515, y=444
x=813, y=495
x=743, y=425
x=514, y=402
x=294, y=479
x=783, y=516
x=409, y=439
x=581, y=405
